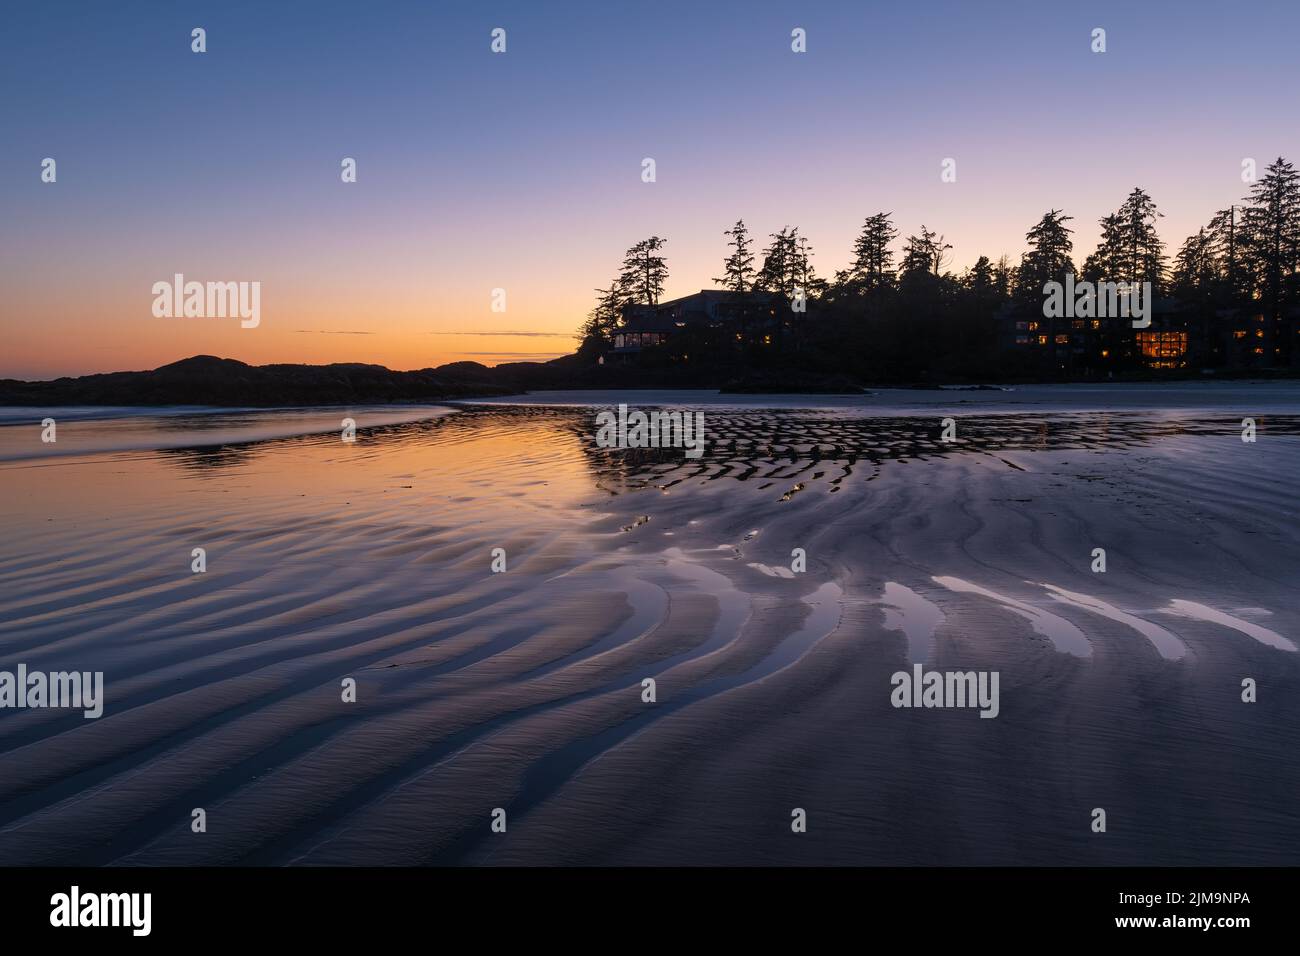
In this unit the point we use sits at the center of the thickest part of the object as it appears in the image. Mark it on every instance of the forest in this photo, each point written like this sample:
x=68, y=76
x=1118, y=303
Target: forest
x=898, y=311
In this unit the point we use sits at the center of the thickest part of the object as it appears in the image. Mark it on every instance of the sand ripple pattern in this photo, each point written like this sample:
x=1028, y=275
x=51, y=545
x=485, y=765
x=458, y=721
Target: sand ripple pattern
x=523, y=690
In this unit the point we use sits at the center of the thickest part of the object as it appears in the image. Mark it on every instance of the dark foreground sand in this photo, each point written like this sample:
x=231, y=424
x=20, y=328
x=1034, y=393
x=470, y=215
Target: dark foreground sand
x=523, y=690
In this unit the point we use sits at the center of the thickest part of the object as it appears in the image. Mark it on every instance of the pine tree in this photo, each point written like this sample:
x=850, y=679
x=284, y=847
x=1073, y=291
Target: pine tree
x=1195, y=270
x=1271, y=234
x=873, y=260
x=980, y=279
x=1130, y=250
x=1048, y=258
x=925, y=254
x=738, y=268
x=604, y=318
x=1224, y=233
x=1004, y=277
x=805, y=276
x=608, y=310
x=1105, y=262
x=644, y=271
x=1141, y=253
x=780, y=270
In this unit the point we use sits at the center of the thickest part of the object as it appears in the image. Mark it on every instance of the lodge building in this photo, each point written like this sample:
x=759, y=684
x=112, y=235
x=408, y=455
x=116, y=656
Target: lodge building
x=1182, y=336
x=710, y=318
x=1179, y=337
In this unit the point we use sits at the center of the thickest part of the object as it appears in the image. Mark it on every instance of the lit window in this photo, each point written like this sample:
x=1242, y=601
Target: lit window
x=1163, y=346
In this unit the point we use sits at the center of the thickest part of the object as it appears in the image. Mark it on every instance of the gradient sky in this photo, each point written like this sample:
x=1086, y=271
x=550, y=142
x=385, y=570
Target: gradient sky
x=522, y=170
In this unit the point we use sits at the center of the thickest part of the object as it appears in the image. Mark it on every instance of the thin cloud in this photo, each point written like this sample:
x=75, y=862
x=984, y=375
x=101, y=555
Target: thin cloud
x=530, y=335
x=331, y=332
x=518, y=354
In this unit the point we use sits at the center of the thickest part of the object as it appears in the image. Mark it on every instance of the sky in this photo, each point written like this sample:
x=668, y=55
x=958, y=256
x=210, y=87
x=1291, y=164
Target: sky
x=522, y=170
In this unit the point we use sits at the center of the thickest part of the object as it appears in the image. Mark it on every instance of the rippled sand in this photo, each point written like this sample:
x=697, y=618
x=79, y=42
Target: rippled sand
x=523, y=690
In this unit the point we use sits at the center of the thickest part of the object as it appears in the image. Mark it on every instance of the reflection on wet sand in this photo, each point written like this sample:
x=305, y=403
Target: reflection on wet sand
x=523, y=689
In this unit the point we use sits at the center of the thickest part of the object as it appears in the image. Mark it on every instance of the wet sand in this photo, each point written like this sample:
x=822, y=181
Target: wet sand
x=523, y=690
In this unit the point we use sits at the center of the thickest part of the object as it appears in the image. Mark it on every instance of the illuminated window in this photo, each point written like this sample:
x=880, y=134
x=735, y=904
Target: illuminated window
x=1063, y=340
x=1162, y=345
x=1239, y=334
x=1033, y=326
x=1022, y=340
x=1042, y=340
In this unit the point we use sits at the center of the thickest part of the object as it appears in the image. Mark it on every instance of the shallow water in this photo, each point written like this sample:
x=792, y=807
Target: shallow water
x=373, y=560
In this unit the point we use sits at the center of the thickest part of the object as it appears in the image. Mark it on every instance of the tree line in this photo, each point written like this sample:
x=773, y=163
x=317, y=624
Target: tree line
x=905, y=312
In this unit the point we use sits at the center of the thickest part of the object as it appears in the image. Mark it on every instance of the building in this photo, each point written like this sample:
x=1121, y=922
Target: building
x=1100, y=344
x=710, y=320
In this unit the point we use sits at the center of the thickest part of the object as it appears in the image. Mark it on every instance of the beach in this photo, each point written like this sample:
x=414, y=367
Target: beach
x=523, y=689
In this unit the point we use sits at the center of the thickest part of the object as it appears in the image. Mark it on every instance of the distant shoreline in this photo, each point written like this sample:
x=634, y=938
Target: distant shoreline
x=208, y=381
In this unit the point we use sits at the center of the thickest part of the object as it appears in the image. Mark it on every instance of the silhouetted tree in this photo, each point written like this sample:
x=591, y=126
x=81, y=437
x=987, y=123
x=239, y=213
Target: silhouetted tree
x=644, y=271
x=873, y=261
x=738, y=268
x=1194, y=273
x=925, y=253
x=1004, y=276
x=1048, y=258
x=1271, y=230
x=980, y=279
x=1141, y=253
x=1104, y=265
x=1224, y=233
x=806, y=277
x=606, y=314
x=781, y=264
